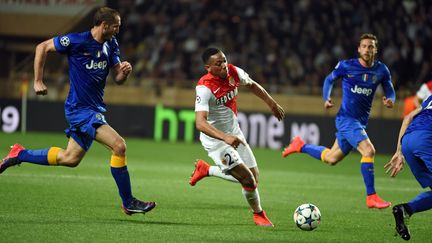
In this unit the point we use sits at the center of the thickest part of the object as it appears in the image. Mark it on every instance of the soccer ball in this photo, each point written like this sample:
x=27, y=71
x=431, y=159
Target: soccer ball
x=307, y=216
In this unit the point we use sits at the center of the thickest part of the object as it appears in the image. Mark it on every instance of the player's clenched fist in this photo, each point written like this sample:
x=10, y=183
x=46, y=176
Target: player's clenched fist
x=126, y=67
x=40, y=88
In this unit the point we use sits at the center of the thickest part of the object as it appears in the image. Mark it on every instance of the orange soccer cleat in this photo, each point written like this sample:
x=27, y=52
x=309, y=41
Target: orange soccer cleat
x=374, y=201
x=201, y=171
x=261, y=219
x=295, y=146
x=11, y=159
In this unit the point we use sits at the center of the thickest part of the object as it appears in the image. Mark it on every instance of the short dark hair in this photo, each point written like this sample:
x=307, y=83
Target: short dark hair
x=105, y=14
x=208, y=53
x=369, y=36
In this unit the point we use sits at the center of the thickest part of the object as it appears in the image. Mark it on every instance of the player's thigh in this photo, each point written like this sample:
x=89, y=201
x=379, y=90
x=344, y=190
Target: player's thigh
x=247, y=155
x=106, y=135
x=350, y=133
x=417, y=150
x=366, y=148
x=73, y=152
x=335, y=154
x=248, y=158
x=225, y=157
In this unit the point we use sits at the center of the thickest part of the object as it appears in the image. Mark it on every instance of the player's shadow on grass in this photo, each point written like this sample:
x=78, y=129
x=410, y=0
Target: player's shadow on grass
x=216, y=206
x=144, y=222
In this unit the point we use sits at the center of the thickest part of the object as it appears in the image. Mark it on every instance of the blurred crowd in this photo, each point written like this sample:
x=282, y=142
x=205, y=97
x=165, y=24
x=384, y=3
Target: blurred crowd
x=279, y=43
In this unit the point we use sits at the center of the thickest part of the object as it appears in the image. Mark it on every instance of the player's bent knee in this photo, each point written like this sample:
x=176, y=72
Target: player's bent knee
x=369, y=152
x=69, y=160
x=120, y=147
x=73, y=162
x=248, y=183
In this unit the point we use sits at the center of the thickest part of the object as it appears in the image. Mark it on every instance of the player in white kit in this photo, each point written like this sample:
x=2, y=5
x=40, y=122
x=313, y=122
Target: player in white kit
x=221, y=137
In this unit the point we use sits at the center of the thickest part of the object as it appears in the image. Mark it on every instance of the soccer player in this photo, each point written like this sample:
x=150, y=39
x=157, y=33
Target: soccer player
x=360, y=79
x=415, y=146
x=91, y=55
x=221, y=137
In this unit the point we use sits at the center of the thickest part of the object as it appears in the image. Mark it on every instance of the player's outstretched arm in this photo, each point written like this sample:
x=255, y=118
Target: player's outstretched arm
x=121, y=72
x=259, y=91
x=41, y=52
x=395, y=164
x=397, y=161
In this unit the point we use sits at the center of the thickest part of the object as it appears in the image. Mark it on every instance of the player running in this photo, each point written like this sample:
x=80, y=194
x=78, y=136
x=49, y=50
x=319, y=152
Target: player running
x=91, y=55
x=360, y=79
x=221, y=137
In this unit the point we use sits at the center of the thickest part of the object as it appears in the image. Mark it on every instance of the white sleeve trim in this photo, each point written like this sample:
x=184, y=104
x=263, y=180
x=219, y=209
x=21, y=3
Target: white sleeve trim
x=202, y=99
x=243, y=76
x=423, y=92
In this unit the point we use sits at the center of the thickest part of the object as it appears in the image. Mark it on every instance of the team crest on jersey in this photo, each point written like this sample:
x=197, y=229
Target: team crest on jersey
x=100, y=117
x=365, y=77
x=98, y=54
x=374, y=79
x=231, y=81
x=65, y=41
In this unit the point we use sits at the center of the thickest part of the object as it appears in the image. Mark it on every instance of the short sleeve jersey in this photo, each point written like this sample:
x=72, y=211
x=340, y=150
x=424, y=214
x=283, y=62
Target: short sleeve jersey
x=218, y=97
x=89, y=64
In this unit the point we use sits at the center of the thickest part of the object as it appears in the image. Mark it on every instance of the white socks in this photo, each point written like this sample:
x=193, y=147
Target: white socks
x=216, y=171
x=253, y=198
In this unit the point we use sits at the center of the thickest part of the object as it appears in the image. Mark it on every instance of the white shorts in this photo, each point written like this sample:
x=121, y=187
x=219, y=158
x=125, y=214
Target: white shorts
x=226, y=157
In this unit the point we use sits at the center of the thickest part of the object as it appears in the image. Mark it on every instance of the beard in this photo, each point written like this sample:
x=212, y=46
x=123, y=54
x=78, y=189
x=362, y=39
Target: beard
x=367, y=58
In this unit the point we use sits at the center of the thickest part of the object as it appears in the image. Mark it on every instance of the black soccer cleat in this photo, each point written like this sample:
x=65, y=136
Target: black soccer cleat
x=137, y=206
x=6, y=163
x=401, y=216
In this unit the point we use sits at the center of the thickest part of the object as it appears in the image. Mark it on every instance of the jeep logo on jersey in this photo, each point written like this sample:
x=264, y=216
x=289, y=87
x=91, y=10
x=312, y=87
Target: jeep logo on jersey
x=229, y=96
x=64, y=41
x=96, y=65
x=359, y=90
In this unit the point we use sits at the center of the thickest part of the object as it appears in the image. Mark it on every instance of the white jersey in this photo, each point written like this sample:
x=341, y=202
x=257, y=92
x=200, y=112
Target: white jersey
x=218, y=96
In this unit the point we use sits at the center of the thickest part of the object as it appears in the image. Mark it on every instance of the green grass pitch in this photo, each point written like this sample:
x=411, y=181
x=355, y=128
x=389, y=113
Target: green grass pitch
x=59, y=204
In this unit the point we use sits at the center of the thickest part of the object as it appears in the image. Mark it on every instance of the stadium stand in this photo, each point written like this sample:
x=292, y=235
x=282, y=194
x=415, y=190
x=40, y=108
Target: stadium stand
x=289, y=46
